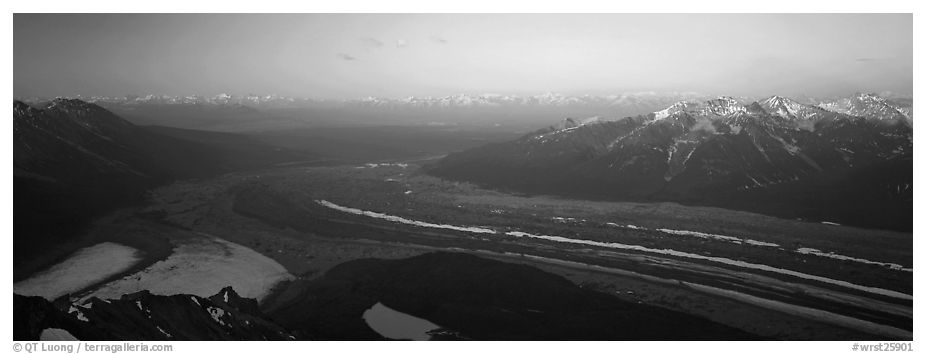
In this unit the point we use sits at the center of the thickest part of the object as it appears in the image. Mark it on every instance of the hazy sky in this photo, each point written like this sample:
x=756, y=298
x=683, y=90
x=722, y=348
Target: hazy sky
x=350, y=56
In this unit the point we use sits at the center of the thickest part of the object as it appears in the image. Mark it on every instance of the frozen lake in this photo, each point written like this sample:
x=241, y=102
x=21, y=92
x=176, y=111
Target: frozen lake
x=393, y=324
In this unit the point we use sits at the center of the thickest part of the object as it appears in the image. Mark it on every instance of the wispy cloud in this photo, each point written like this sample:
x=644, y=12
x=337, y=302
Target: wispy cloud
x=437, y=39
x=401, y=43
x=346, y=57
x=371, y=42
x=873, y=59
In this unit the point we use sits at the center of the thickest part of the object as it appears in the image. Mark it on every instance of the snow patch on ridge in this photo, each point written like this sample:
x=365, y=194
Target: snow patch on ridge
x=217, y=315
x=80, y=315
x=164, y=332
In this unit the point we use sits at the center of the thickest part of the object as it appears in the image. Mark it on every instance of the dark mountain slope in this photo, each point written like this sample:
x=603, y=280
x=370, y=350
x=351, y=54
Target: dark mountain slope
x=74, y=160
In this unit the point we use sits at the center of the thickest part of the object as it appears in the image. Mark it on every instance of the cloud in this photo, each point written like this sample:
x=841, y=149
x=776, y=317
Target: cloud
x=371, y=42
x=872, y=59
x=806, y=124
x=401, y=43
x=437, y=39
x=346, y=57
x=705, y=125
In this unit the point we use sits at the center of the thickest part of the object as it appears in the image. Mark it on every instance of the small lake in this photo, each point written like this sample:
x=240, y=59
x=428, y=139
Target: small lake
x=393, y=324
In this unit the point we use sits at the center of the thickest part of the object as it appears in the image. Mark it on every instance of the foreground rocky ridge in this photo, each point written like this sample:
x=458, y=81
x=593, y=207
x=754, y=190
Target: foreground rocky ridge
x=470, y=297
x=144, y=316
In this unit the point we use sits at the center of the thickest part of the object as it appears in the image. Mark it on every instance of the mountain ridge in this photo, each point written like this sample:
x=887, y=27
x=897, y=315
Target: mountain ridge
x=74, y=160
x=716, y=152
x=145, y=316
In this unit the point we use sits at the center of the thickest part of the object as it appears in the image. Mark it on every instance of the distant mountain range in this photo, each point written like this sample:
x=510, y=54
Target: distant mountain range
x=270, y=112
x=460, y=100
x=847, y=160
x=452, y=101
x=249, y=113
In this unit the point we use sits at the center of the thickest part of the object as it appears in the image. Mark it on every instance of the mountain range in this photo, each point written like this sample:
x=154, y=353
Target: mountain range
x=459, y=100
x=847, y=161
x=248, y=113
x=235, y=113
x=549, y=99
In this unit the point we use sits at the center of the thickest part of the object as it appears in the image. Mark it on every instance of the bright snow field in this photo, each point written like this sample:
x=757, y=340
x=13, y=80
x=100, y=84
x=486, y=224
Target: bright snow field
x=84, y=268
x=202, y=267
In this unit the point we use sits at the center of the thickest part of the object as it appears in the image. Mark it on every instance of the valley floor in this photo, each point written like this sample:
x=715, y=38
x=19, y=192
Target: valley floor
x=297, y=222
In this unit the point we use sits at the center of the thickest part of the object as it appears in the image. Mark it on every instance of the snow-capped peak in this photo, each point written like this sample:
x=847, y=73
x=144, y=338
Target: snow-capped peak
x=867, y=105
x=776, y=101
x=721, y=106
x=724, y=105
x=676, y=107
x=786, y=108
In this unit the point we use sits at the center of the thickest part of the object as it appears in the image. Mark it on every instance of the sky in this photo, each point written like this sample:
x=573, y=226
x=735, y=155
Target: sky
x=344, y=56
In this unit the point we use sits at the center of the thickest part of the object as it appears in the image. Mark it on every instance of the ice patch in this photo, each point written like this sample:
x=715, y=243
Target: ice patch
x=376, y=165
x=563, y=220
x=819, y=253
x=724, y=238
x=403, y=220
x=628, y=226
